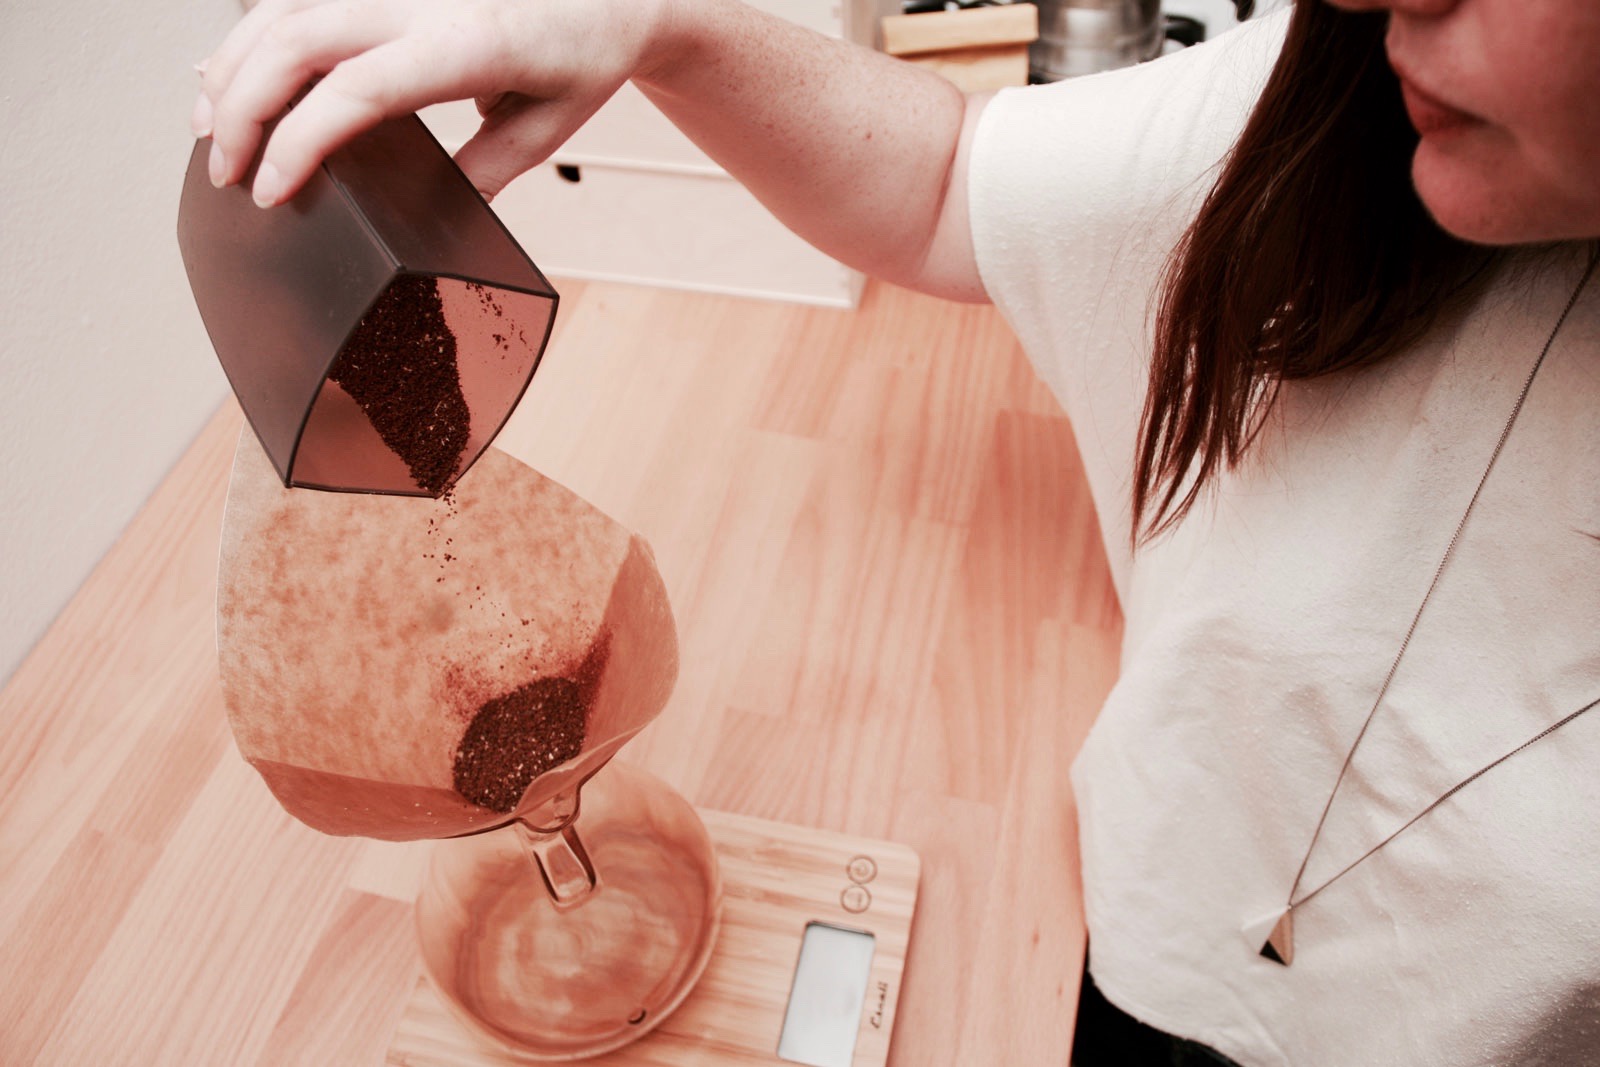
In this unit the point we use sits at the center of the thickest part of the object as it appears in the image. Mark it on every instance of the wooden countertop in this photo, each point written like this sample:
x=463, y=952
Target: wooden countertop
x=895, y=619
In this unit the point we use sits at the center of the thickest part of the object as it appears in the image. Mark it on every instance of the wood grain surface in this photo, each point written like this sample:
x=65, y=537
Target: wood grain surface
x=895, y=618
x=776, y=878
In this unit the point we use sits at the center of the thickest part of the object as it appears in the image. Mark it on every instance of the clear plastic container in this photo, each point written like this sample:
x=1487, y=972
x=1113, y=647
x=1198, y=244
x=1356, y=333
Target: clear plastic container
x=379, y=328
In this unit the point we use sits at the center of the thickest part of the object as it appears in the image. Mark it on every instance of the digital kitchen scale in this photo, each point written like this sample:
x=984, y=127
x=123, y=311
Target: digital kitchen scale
x=807, y=967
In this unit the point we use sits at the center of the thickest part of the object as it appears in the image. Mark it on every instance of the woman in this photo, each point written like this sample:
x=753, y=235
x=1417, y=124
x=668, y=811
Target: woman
x=1314, y=297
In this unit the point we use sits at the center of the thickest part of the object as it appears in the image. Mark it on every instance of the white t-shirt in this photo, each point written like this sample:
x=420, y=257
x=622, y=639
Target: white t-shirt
x=1259, y=632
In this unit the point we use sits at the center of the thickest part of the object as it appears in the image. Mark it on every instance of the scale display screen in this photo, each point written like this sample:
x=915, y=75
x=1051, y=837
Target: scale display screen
x=826, y=1000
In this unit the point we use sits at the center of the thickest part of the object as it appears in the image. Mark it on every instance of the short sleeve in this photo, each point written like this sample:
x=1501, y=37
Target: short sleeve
x=1078, y=192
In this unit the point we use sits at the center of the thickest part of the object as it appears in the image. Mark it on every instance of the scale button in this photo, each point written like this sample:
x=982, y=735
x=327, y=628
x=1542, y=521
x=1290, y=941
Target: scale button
x=855, y=899
x=862, y=870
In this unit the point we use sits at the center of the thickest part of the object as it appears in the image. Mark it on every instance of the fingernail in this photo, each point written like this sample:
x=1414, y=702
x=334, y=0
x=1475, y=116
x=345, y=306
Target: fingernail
x=269, y=185
x=200, y=67
x=219, y=166
x=200, y=120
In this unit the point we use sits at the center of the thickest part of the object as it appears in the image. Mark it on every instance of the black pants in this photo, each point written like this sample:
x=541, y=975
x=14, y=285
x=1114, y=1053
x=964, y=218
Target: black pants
x=1107, y=1036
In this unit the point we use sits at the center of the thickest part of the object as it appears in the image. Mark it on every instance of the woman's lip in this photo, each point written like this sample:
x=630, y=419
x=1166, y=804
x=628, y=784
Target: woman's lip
x=1429, y=114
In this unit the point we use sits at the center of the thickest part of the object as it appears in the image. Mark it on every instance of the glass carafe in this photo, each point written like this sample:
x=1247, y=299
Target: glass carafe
x=571, y=937
x=465, y=669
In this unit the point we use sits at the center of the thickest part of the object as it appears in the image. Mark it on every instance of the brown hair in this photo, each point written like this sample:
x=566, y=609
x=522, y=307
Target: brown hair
x=1311, y=254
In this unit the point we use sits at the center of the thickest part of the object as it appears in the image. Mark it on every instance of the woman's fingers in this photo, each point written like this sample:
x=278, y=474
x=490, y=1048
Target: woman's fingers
x=216, y=70
x=241, y=40
x=536, y=69
x=518, y=133
x=355, y=96
x=291, y=53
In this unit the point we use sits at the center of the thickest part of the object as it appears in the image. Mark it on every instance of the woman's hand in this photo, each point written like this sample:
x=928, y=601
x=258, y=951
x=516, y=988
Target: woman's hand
x=860, y=154
x=537, y=69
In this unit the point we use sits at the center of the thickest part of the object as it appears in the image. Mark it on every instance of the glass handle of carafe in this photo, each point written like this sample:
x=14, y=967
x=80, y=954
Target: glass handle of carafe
x=560, y=858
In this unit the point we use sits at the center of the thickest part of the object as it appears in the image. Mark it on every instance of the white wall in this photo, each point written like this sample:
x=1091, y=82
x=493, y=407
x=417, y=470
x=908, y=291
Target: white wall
x=105, y=371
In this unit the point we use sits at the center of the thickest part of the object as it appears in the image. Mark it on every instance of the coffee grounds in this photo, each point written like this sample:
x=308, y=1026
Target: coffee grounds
x=517, y=737
x=400, y=367
x=492, y=306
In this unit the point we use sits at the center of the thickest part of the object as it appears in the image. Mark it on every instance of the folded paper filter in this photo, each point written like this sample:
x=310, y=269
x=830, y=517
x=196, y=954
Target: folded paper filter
x=455, y=652
x=402, y=669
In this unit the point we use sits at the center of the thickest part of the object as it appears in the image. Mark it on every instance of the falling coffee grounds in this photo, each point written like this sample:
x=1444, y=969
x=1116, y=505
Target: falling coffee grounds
x=516, y=737
x=400, y=367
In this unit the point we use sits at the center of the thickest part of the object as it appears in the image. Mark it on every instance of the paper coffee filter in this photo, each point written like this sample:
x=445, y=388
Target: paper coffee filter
x=401, y=667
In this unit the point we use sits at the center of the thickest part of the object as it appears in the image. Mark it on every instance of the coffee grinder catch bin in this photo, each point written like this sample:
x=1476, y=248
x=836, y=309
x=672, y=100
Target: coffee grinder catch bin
x=387, y=244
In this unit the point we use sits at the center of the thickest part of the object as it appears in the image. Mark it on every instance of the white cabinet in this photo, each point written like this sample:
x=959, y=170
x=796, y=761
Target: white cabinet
x=629, y=198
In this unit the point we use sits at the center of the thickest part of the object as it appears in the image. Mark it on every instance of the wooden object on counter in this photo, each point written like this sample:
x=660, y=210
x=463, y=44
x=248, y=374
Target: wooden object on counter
x=978, y=48
x=775, y=878
x=895, y=620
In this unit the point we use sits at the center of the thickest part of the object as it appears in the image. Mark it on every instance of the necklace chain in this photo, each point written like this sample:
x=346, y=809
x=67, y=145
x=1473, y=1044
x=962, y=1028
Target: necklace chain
x=1405, y=642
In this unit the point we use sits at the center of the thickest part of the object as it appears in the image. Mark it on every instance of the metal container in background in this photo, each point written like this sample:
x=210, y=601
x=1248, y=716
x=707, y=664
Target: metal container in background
x=1088, y=36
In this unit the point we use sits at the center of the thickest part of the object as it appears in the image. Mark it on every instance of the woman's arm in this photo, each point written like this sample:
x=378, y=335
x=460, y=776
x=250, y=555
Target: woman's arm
x=861, y=154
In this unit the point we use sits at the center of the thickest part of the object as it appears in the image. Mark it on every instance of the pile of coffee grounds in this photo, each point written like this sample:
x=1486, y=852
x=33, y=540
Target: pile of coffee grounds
x=516, y=737
x=400, y=367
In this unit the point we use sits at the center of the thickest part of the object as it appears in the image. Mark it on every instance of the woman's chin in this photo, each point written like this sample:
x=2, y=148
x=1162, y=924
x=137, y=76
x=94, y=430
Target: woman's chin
x=1482, y=201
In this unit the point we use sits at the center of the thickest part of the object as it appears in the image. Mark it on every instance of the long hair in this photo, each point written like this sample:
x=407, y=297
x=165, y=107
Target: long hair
x=1311, y=254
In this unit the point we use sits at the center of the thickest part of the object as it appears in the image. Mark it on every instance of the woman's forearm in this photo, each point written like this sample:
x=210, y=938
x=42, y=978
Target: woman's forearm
x=853, y=150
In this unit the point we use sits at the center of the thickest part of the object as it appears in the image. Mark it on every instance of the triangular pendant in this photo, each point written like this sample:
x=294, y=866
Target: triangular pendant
x=1256, y=930
x=1279, y=947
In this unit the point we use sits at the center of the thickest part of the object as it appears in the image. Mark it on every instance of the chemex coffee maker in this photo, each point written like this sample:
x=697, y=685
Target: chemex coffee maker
x=421, y=637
